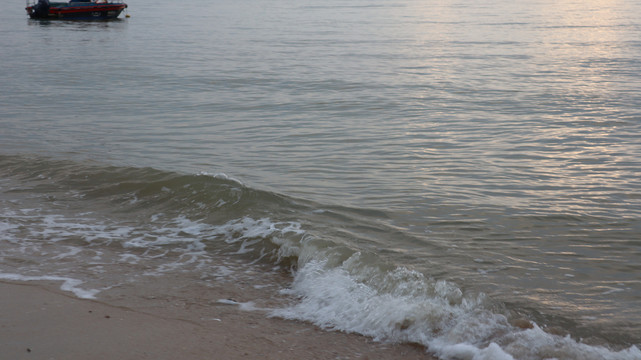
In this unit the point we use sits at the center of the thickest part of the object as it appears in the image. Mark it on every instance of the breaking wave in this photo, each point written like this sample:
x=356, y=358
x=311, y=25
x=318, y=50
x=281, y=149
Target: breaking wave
x=178, y=222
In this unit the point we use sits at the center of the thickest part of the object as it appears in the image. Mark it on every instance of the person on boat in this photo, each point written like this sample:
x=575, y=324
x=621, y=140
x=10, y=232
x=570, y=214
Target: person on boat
x=41, y=9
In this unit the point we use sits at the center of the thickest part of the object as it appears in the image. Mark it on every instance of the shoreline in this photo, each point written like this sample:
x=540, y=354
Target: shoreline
x=42, y=322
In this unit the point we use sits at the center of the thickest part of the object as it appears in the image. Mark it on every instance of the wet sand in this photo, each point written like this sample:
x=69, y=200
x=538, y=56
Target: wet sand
x=39, y=321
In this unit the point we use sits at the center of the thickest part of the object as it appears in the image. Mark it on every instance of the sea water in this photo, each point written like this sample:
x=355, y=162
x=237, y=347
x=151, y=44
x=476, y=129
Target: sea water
x=460, y=174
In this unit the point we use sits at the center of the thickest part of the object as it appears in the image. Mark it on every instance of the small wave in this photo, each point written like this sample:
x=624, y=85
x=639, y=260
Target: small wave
x=356, y=292
x=68, y=284
x=176, y=222
x=407, y=307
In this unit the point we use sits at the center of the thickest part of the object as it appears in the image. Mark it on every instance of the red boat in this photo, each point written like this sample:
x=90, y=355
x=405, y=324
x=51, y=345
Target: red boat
x=75, y=9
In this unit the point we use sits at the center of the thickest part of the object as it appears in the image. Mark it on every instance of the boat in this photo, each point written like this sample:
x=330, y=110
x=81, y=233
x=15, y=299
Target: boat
x=75, y=9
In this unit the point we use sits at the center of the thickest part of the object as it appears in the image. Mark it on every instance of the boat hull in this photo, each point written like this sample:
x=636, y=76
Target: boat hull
x=82, y=11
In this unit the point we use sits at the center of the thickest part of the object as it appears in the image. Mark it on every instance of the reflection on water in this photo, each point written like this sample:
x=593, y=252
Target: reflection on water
x=79, y=25
x=504, y=134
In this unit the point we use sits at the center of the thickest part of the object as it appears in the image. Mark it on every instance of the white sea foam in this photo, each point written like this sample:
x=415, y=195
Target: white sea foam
x=402, y=305
x=249, y=232
x=68, y=284
x=178, y=241
x=221, y=176
x=6, y=227
x=186, y=234
x=407, y=307
x=396, y=305
x=72, y=252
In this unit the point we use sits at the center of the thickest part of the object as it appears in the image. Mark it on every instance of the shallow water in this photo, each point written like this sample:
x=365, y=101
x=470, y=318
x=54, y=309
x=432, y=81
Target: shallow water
x=466, y=163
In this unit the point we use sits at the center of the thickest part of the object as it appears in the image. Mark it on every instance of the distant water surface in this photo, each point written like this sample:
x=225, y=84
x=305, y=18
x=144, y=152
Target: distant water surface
x=495, y=145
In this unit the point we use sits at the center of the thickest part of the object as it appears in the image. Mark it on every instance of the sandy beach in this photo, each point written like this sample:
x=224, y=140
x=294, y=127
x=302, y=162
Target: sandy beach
x=39, y=321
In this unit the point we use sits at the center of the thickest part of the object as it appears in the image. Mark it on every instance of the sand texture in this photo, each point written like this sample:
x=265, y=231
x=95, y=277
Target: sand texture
x=39, y=321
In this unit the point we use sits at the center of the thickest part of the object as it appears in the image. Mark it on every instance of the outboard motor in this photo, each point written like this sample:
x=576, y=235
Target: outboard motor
x=41, y=9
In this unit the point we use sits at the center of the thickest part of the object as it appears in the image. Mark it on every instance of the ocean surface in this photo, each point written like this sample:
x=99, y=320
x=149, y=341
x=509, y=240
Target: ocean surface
x=461, y=174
